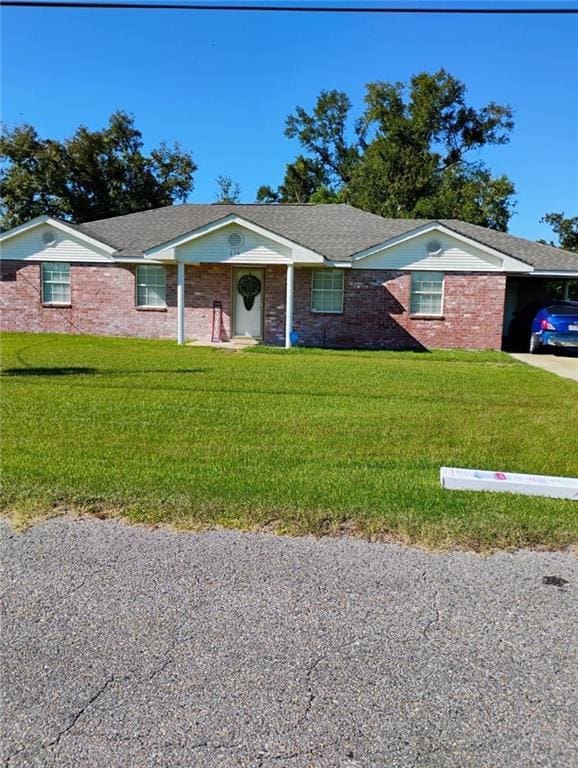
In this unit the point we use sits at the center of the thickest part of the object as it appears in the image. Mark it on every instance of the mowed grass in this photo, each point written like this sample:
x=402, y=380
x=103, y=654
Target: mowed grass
x=305, y=441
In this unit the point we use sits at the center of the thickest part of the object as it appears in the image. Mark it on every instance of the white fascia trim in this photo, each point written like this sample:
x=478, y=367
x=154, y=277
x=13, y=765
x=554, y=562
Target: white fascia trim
x=137, y=260
x=409, y=235
x=337, y=264
x=45, y=219
x=569, y=274
x=509, y=264
x=232, y=218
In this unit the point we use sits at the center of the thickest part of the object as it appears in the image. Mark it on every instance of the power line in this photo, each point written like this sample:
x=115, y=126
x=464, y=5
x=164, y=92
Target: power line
x=277, y=8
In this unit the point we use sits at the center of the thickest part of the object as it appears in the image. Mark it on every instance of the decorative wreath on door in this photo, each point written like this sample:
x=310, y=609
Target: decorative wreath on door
x=249, y=286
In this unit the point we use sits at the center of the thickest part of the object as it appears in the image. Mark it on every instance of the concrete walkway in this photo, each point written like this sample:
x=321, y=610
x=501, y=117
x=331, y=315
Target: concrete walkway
x=565, y=365
x=234, y=344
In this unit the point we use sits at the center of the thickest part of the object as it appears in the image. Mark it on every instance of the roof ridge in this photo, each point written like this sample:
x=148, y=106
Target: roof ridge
x=262, y=205
x=151, y=211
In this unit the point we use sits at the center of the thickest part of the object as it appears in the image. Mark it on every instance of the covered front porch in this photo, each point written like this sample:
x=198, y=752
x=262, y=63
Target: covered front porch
x=234, y=304
x=239, y=280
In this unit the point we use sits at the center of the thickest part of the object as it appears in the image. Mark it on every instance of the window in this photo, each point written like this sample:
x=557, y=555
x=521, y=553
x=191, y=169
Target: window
x=327, y=290
x=427, y=291
x=151, y=286
x=55, y=283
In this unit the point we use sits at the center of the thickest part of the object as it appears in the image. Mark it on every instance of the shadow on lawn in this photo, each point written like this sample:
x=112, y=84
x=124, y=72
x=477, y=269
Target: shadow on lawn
x=72, y=371
x=85, y=371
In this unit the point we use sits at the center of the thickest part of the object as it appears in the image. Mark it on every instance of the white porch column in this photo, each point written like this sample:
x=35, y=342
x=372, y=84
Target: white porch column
x=289, y=305
x=180, y=302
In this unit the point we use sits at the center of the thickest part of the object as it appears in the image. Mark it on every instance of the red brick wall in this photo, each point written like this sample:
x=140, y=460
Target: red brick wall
x=103, y=302
x=274, y=321
x=203, y=286
x=375, y=307
x=376, y=312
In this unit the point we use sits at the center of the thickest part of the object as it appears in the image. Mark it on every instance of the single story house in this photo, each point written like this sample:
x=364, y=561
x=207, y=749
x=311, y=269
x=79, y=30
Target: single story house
x=316, y=275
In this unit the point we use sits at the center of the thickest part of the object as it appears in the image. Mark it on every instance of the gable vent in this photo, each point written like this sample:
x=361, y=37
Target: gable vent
x=48, y=237
x=235, y=240
x=434, y=248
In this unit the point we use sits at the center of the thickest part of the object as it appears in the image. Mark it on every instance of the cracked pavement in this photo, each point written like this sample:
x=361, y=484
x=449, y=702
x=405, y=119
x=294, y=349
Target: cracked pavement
x=126, y=646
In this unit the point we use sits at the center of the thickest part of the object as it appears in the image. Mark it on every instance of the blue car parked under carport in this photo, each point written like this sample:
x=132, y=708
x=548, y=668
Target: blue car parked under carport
x=555, y=326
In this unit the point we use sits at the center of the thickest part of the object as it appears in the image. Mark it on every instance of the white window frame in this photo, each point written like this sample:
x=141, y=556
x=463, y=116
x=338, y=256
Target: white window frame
x=141, y=283
x=44, y=282
x=413, y=292
x=315, y=291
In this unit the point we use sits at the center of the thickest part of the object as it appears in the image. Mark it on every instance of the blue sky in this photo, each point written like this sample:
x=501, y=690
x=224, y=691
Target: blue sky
x=223, y=83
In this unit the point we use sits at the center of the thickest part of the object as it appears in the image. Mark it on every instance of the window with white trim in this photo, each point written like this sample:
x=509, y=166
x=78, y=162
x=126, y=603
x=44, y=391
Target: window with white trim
x=427, y=293
x=151, y=285
x=55, y=282
x=327, y=290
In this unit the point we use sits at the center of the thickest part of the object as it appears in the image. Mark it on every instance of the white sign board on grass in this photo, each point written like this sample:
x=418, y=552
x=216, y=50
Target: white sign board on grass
x=454, y=478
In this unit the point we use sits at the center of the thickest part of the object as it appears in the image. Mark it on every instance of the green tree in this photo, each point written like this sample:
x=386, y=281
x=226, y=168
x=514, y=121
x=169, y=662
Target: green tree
x=408, y=155
x=324, y=135
x=302, y=180
x=228, y=191
x=93, y=175
x=470, y=193
x=565, y=228
x=323, y=174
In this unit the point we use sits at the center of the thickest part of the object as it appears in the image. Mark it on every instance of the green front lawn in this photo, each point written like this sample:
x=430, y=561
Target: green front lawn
x=300, y=441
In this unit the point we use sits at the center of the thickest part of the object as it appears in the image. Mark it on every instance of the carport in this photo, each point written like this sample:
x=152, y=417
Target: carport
x=526, y=294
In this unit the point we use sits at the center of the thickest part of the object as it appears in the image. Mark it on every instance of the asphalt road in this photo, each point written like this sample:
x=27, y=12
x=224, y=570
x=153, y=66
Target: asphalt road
x=133, y=647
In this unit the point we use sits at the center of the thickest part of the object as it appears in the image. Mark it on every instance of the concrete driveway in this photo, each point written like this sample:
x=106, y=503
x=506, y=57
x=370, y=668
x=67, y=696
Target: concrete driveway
x=133, y=647
x=564, y=364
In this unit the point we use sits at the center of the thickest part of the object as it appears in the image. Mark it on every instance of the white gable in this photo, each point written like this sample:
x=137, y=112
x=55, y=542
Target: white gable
x=211, y=244
x=48, y=243
x=457, y=254
x=233, y=244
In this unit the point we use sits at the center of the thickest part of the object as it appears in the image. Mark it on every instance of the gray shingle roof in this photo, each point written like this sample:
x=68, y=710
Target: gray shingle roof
x=335, y=231
x=538, y=255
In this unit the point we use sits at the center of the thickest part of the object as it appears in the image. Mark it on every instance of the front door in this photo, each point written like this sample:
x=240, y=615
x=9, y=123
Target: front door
x=248, y=298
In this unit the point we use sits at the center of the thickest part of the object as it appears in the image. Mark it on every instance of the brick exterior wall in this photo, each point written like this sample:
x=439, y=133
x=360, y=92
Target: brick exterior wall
x=103, y=302
x=375, y=313
x=274, y=319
